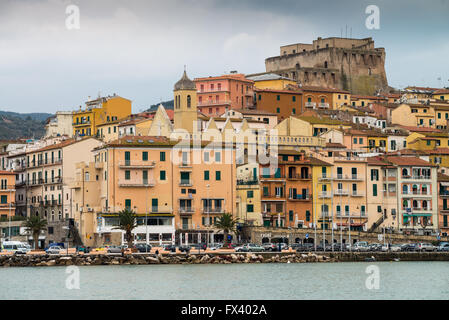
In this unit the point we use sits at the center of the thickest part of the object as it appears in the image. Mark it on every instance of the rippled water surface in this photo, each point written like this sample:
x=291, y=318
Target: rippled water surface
x=398, y=280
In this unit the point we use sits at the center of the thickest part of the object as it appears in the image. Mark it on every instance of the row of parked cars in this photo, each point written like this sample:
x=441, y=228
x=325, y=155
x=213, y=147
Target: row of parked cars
x=364, y=246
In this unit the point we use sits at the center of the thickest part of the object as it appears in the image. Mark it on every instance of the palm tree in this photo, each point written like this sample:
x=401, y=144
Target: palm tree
x=227, y=224
x=35, y=225
x=127, y=222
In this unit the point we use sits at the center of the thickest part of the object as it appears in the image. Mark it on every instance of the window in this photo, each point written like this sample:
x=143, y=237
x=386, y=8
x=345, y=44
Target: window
x=375, y=190
x=307, y=215
x=250, y=194
x=206, y=156
x=355, y=140
x=144, y=156
x=218, y=175
x=278, y=110
x=360, y=140
x=249, y=208
x=4, y=199
x=162, y=156
x=127, y=175
x=162, y=175
x=128, y=204
x=206, y=175
x=278, y=97
x=217, y=156
x=294, y=98
x=290, y=215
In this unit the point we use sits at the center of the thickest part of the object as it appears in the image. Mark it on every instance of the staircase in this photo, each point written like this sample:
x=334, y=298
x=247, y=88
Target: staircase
x=377, y=223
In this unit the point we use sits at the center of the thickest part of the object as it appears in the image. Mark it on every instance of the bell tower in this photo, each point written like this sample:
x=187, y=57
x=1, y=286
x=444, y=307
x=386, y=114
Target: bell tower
x=185, y=105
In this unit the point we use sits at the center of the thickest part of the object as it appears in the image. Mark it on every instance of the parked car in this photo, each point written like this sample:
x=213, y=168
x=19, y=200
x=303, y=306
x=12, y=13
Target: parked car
x=216, y=246
x=142, y=247
x=360, y=246
x=425, y=246
x=269, y=246
x=408, y=247
x=395, y=248
x=374, y=247
x=184, y=248
x=250, y=247
x=55, y=250
x=305, y=247
x=444, y=246
x=337, y=247
x=114, y=249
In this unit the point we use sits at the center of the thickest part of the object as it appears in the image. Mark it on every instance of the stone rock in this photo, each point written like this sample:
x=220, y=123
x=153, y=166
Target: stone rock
x=50, y=263
x=152, y=260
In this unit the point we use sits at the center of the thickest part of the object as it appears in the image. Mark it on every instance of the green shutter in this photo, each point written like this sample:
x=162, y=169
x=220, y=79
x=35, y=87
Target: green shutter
x=206, y=175
x=162, y=175
x=162, y=156
x=128, y=204
x=145, y=156
x=375, y=190
x=218, y=175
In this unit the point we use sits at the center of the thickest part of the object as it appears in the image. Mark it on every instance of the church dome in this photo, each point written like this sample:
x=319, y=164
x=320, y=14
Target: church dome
x=185, y=83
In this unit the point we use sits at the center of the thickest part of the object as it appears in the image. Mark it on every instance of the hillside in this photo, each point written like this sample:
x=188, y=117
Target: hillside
x=15, y=125
x=167, y=105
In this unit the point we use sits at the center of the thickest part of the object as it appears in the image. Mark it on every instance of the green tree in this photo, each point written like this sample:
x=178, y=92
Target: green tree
x=127, y=223
x=227, y=224
x=35, y=225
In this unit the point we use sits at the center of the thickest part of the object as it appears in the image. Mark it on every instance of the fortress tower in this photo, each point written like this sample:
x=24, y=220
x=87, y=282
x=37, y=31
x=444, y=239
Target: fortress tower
x=343, y=63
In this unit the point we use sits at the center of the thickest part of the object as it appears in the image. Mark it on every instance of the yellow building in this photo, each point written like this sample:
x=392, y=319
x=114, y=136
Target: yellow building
x=99, y=111
x=414, y=115
x=108, y=131
x=441, y=95
x=427, y=140
x=322, y=193
x=341, y=99
x=271, y=81
x=377, y=141
x=310, y=126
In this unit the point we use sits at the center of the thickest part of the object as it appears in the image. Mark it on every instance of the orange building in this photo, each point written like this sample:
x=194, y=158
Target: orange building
x=283, y=103
x=287, y=191
x=443, y=204
x=182, y=191
x=322, y=98
x=7, y=194
x=217, y=94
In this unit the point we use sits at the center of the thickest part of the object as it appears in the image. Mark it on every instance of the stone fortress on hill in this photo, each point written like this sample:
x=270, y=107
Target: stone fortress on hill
x=349, y=64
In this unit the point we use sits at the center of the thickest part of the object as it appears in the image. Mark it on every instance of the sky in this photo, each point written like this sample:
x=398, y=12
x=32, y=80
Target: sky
x=138, y=48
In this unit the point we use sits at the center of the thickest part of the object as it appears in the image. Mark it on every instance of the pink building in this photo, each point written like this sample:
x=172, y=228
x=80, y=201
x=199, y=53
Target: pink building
x=218, y=94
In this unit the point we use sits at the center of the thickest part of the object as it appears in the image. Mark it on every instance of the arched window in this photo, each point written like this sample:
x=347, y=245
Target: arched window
x=404, y=189
x=424, y=189
x=415, y=189
x=325, y=64
x=404, y=172
x=424, y=204
x=415, y=204
x=188, y=101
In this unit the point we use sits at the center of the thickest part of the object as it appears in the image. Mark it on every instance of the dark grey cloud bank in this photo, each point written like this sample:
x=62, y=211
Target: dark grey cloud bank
x=138, y=48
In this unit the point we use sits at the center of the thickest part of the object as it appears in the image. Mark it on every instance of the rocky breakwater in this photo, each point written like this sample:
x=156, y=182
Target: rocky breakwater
x=139, y=259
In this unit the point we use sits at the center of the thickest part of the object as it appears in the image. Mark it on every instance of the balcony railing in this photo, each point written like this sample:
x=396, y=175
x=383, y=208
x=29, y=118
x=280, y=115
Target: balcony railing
x=186, y=210
x=355, y=193
x=247, y=182
x=310, y=104
x=325, y=194
x=296, y=176
x=348, y=177
x=186, y=182
x=212, y=210
x=341, y=192
x=300, y=197
x=213, y=103
x=272, y=176
x=417, y=177
x=324, y=105
x=136, y=164
x=137, y=184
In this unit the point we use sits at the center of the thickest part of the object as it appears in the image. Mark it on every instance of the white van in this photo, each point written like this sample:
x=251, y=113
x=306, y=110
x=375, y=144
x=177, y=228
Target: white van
x=15, y=246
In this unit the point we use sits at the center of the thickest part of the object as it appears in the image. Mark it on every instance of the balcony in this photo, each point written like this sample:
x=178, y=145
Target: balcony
x=186, y=210
x=186, y=183
x=325, y=195
x=247, y=182
x=341, y=192
x=185, y=165
x=136, y=184
x=416, y=193
x=207, y=210
x=295, y=176
x=300, y=197
x=214, y=103
x=325, y=177
x=80, y=124
x=355, y=193
x=324, y=105
x=347, y=177
x=135, y=164
x=99, y=165
x=272, y=177
x=417, y=177
x=310, y=104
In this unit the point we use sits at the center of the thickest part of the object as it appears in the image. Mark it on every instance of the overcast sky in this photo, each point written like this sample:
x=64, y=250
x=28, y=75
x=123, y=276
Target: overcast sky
x=138, y=48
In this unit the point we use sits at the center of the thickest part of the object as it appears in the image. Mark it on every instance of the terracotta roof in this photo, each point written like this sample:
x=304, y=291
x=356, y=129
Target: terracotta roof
x=442, y=177
x=356, y=97
x=419, y=129
x=234, y=76
x=255, y=112
x=438, y=151
x=7, y=173
x=59, y=145
x=317, y=162
x=441, y=91
x=322, y=89
x=409, y=161
x=279, y=91
x=335, y=145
